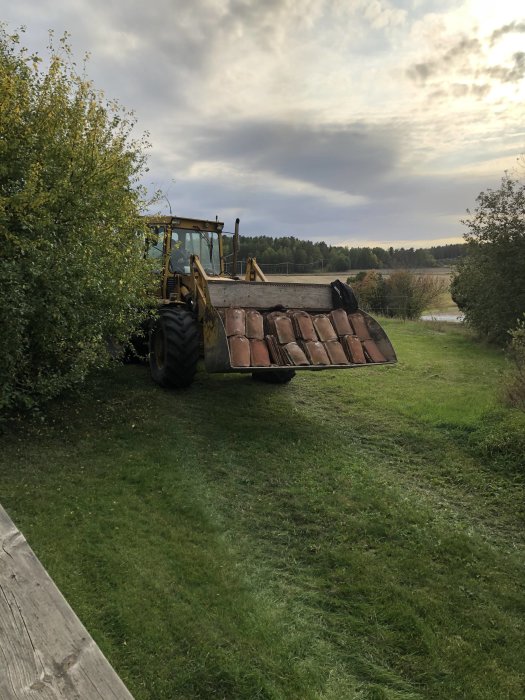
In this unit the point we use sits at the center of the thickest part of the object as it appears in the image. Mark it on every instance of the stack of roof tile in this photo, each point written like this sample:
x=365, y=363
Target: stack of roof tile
x=297, y=338
x=245, y=331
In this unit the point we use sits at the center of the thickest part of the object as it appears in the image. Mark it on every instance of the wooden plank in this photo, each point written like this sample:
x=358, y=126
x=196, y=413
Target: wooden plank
x=45, y=651
x=265, y=295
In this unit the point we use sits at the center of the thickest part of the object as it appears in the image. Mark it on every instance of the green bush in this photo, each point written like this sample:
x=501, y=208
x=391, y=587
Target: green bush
x=489, y=285
x=515, y=389
x=72, y=273
x=370, y=289
x=403, y=294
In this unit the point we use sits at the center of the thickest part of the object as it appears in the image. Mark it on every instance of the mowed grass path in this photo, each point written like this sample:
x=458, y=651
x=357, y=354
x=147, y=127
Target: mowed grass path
x=334, y=538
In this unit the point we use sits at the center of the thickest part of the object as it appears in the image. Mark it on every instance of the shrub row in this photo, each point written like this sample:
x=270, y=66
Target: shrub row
x=402, y=294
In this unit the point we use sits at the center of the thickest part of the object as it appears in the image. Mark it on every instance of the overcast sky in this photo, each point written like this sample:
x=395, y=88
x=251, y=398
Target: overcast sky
x=358, y=122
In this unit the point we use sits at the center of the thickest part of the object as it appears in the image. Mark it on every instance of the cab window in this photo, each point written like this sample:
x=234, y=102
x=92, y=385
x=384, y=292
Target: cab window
x=156, y=242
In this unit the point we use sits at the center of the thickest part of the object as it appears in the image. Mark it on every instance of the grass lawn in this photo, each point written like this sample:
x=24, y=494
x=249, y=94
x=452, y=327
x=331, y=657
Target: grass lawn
x=355, y=534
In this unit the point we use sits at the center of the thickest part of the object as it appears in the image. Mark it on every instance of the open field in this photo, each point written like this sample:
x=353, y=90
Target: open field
x=355, y=534
x=327, y=277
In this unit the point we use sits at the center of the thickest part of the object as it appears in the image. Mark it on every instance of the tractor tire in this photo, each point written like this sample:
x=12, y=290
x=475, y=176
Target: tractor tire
x=276, y=376
x=174, y=348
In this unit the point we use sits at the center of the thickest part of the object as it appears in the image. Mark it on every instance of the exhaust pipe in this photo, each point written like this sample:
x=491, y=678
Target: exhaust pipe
x=235, y=247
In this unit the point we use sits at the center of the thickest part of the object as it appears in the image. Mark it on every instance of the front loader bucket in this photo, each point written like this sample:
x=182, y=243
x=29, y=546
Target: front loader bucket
x=267, y=326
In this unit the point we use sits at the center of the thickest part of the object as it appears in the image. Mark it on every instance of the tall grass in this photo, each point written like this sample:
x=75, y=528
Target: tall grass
x=515, y=390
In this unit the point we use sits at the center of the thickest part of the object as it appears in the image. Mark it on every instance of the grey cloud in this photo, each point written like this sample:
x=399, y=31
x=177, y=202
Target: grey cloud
x=175, y=44
x=438, y=95
x=338, y=158
x=480, y=90
x=511, y=28
x=419, y=72
x=512, y=74
x=260, y=20
x=459, y=89
x=465, y=47
x=457, y=55
x=181, y=43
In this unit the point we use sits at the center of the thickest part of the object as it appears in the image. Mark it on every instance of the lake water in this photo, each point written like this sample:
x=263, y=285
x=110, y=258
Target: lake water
x=450, y=318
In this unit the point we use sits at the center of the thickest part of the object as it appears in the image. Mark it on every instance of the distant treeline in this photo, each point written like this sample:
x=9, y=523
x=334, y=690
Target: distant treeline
x=304, y=256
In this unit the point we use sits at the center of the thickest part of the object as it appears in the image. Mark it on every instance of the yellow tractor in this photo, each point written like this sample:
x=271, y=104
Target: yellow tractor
x=247, y=325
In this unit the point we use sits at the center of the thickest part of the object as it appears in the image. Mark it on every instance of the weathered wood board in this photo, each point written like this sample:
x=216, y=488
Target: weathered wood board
x=45, y=651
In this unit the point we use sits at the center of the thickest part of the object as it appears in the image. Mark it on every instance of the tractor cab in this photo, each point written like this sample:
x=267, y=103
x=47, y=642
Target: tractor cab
x=174, y=241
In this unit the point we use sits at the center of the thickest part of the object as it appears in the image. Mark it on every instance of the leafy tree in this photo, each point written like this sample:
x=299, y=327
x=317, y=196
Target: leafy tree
x=72, y=272
x=338, y=260
x=364, y=258
x=489, y=285
x=448, y=252
x=300, y=256
x=423, y=258
x=269, y=256
x=382, y=255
